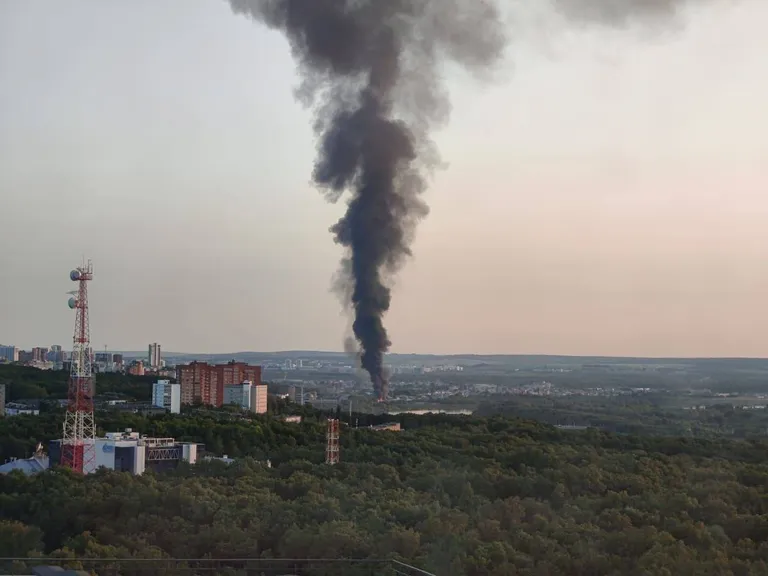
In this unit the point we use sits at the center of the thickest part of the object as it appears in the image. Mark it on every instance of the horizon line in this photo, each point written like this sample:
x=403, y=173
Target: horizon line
x=459, y=354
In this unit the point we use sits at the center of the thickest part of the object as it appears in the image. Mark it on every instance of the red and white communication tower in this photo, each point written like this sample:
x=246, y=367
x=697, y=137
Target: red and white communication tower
x=332, y=446
x=78, y=450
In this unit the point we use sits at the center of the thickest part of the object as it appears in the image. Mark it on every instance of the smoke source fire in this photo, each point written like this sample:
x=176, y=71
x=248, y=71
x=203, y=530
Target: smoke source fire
x=370, y=71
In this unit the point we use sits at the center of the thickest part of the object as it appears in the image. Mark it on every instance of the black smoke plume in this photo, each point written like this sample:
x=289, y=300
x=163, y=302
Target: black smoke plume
x=370, y=70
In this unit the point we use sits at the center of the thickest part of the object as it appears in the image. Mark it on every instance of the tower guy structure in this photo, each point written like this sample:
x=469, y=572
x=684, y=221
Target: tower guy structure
x=332, y=446
x=78, y=450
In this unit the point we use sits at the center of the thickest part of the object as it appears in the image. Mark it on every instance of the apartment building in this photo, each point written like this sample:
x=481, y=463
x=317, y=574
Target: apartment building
x=167, y=395
x=205, y=382
x=248, y=396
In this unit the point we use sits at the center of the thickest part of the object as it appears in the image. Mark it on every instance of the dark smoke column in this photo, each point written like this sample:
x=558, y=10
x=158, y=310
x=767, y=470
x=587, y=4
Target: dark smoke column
x=370, y=70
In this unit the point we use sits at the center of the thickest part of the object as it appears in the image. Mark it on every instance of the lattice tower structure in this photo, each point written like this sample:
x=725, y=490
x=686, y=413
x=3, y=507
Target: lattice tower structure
x=78, y=450
x=332, y=446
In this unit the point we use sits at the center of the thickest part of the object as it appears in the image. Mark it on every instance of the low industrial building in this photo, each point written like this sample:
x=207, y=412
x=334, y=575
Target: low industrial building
x=227, y=460
x=390, y=426
x=18, y=409
x=37, y=463
x=28, y=466
x=130, y=452
x=143, y=408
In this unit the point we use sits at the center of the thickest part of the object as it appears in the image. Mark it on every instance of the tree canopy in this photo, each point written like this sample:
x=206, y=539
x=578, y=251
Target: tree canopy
x=453, y=495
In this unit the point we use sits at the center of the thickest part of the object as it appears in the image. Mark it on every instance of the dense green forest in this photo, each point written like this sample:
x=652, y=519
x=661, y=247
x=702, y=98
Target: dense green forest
x=26, y=383
x=492, y=494
x=453, y=495
x=644, y=414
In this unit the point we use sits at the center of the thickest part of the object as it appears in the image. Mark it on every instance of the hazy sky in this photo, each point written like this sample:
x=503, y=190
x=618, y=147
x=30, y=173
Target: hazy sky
x=607, y=195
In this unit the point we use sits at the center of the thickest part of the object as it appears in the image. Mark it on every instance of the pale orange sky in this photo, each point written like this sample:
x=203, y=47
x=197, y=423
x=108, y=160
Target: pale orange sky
x=607, y=195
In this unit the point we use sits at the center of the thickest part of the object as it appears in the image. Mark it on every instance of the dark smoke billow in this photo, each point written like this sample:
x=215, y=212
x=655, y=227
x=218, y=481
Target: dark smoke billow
x=370, y=70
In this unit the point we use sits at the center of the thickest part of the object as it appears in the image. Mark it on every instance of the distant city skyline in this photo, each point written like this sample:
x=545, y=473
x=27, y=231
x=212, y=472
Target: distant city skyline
x=605, y=196
x=141, y=354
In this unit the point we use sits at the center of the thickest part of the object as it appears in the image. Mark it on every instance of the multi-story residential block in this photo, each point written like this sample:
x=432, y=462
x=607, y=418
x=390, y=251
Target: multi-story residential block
x=205, y=382
x=39, y=354
x=195, y=382
x=167, y=395
x=136, y=368
x=9, y=353
x=259, y=398
x=238, y=395
x=248, y=396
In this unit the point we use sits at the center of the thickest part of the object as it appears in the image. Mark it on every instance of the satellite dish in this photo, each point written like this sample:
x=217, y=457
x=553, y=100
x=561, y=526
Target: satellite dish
x=72, y=303
x=74, y=275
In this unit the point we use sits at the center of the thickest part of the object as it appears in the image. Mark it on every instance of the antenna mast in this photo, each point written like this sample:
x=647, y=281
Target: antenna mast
x=332, y=447
x=78, y=450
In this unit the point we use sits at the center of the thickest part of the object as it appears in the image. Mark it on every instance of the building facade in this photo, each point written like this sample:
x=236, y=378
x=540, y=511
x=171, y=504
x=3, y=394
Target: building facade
x=389, y=426
x=248, y=396
x=105, y=362
x=238, y=395
x=195, y=382
x=58, y=356
x=259, y=398
x=9, y=353
x=136, y=368
x=205, y=382
x=130, y=452
x=18, y=409
x=167, y=395
x=154, y=356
